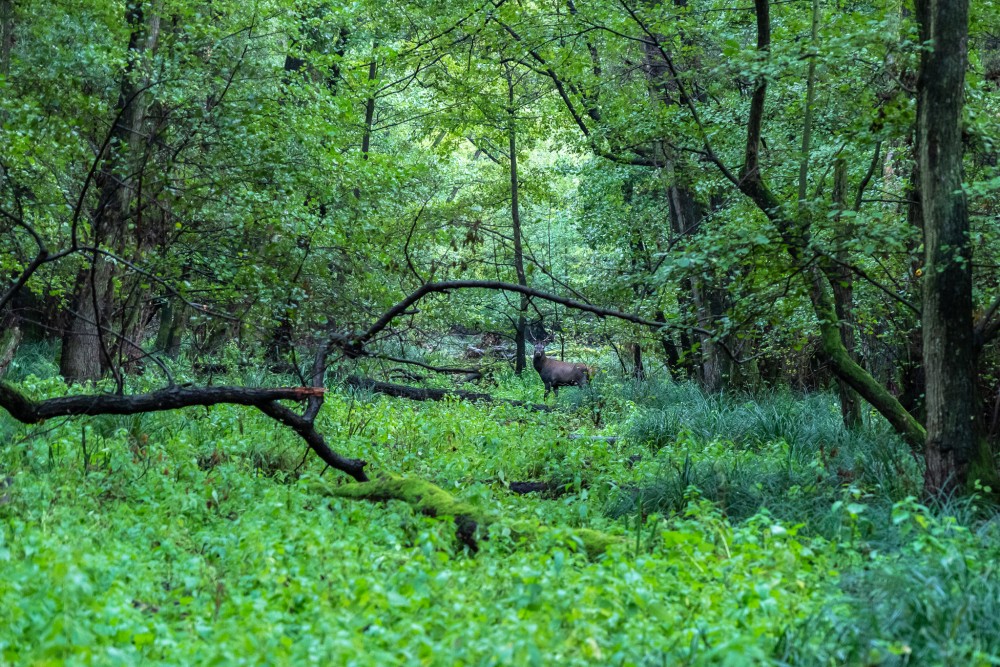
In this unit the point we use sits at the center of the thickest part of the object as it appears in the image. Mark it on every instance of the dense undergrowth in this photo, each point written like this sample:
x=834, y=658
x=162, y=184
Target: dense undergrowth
x=749, y=531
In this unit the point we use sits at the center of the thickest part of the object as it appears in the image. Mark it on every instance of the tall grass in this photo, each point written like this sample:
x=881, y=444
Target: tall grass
x=789, y=454
x=933, y=605
x=35, y=358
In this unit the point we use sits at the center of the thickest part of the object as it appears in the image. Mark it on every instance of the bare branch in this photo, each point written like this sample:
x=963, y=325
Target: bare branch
x=359, y=340
x=859, y=198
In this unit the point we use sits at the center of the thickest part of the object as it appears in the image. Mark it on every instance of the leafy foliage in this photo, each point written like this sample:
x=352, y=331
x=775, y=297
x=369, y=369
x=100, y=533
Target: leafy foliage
x=205, y=536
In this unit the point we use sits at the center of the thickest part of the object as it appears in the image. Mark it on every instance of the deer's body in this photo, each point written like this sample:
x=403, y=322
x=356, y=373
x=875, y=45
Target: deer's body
x=557, y=374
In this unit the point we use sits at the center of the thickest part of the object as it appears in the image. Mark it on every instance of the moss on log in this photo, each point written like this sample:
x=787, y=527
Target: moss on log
x=432, y=500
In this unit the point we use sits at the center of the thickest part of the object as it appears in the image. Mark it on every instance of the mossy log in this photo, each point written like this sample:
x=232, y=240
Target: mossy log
x=432, y=500
x=423, y=496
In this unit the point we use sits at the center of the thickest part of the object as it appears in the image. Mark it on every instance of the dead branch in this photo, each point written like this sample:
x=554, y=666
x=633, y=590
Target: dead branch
x=430, y=394
x=358, y=341
x=28, y=411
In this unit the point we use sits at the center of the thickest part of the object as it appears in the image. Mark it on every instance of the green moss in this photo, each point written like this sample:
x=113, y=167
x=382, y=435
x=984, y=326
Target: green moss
x=428, y=498
x=595, y=542
x=432, y=500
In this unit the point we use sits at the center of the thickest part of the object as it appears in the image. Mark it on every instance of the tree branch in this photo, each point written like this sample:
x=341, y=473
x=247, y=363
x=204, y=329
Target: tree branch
x=356, y=342
x=28, y=411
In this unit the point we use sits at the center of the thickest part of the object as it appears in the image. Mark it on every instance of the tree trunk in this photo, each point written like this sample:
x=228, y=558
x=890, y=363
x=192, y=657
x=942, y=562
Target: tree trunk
x=82, y=353
x=913, y=387
x=366, y=136
x=842, y=280
x=85, y=353
x=793, y=231
x=10, y=338
x=168, y=337
x=520, y=358
x=638, y=372
x=949, y=347
x=6, y=35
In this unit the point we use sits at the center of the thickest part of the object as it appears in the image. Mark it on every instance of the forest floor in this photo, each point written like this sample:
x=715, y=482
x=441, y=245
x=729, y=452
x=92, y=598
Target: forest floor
x=735, y=531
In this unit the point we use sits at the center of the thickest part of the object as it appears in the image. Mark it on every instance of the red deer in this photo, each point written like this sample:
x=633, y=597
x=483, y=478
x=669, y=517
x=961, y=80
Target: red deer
x=557, y=374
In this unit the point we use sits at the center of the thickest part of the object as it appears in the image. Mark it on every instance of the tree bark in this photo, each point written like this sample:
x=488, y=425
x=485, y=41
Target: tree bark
x=948, y=335
x=10, y=338
x=85, y=353
x=520, y=354
x=842, y=279
x=638, y=372
x=171, y=329
x=6, y=35
x=266, y=400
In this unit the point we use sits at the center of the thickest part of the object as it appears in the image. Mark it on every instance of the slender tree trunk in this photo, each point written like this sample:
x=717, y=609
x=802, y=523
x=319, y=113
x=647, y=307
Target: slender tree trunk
x=168, y=337
x=10, y=338
x=685, y=217
x=366, y=136
x=520, y=359
x=949, y=347
x=366, y=139
x=838, y=274
x=913, y=385
x=842, y=280
x=6, y=35
x=638, y=372
x=670, y=350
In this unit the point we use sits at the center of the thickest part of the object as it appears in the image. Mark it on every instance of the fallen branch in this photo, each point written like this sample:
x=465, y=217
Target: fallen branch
x=436, y=369
x=430, y=394
x=28, y=411
x=423, y=496
x=552, y=489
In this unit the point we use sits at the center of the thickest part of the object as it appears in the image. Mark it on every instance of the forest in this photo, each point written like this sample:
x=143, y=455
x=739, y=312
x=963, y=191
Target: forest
x=500, y=332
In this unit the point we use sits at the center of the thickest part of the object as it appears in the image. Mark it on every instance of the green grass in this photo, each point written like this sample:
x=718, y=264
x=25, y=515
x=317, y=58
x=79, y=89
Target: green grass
x=747, y=531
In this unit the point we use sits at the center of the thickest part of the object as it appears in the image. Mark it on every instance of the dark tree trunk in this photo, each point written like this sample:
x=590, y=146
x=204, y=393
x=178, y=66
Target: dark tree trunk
x=949, y=347
x=6, y=35
x=685, y=217
x=85, y=351
x=669, y=347
x=842, y=280
x=168, y=337
x=638, y=372
x=520, y=357
x=366, y=139
x=81, y=358
x=913, y=387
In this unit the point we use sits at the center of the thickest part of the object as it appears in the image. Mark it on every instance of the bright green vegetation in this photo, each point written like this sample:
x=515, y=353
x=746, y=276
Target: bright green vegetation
x=788, y=208
x=769, y=535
